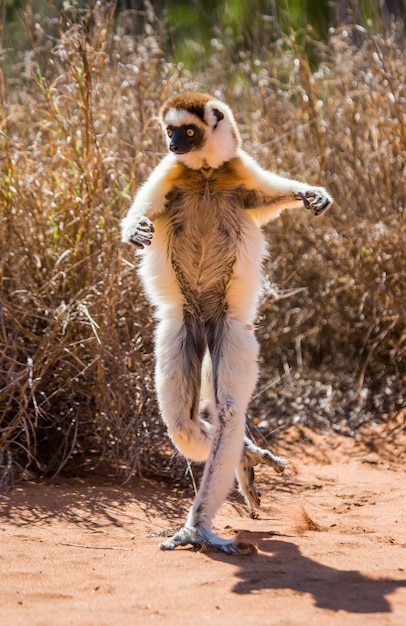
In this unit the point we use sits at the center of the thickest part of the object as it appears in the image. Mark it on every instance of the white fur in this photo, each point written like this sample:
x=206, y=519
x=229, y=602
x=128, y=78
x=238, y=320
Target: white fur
x=246, y=282
x=178, y=117
x=150, y=196
x=273, y=185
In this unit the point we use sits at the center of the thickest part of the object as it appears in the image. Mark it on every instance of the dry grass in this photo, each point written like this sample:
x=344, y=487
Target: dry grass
x=78, y=134
x=305, y=522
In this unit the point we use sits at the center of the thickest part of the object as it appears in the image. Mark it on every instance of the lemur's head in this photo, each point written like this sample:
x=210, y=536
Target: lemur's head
x=201, y=130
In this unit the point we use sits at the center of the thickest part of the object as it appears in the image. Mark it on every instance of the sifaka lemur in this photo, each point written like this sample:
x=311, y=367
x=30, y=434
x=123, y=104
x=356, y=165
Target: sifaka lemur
x=197, y=223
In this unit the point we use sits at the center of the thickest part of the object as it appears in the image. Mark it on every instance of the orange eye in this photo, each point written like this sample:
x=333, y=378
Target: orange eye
x=190, y=132
x=169, y=132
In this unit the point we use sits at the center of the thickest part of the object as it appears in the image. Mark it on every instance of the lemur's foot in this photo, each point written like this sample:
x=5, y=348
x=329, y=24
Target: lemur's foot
x=142, y=234
x=246, y=482
x=200, y=537
x=317, y=200
x=165, y=532
x=253, y=455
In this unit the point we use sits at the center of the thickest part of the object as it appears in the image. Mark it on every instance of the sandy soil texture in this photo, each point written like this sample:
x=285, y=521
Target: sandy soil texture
x=330, y=542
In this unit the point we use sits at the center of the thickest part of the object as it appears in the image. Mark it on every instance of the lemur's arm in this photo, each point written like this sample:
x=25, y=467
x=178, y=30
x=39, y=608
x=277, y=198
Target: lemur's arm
x=149, y=204
x=269, y=193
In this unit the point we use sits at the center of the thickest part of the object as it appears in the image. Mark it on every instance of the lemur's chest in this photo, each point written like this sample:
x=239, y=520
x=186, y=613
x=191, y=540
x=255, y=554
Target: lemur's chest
x=200, y=208
x=204, y=224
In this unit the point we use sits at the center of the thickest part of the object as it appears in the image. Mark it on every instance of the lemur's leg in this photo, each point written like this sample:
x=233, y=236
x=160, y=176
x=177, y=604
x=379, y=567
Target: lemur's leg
x=234, y=350
x=180, y=346
x=252, y=454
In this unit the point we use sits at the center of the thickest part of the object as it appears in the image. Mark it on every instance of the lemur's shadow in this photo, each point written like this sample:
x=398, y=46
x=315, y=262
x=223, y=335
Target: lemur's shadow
x=284, y=567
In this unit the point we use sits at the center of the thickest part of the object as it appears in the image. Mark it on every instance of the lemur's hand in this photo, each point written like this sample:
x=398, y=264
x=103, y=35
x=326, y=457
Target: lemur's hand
x=316, y=199
x=142, y=234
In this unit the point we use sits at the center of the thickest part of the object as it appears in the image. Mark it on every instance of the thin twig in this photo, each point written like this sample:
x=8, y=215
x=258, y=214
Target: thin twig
x=78, y=545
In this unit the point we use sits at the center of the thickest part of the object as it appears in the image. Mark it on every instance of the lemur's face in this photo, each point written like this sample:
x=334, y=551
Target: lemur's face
x=185, y=138
x=200, y=130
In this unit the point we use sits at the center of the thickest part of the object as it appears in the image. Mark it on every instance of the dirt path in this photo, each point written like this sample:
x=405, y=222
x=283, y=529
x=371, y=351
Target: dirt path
x=330, y=540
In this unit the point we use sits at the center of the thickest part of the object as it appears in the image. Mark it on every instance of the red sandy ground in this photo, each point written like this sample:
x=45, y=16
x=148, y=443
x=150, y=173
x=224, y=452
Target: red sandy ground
x=330, y=541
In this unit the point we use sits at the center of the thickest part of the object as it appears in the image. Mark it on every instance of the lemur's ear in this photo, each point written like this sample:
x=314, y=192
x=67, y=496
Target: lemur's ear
x=218, y=115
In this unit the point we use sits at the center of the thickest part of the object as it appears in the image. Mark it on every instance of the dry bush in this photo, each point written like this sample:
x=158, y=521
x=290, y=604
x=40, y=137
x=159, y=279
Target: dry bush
x=342, y=330
x=76, y=332
x=79, y=133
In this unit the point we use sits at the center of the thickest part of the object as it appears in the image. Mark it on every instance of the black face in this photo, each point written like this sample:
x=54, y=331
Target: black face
x=185, y=138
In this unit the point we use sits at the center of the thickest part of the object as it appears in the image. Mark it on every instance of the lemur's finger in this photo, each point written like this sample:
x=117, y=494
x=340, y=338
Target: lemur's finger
x=306, y=202
x=143, y=234
x=146, y=225
x=136, y=243
x=139, y=242
x=323, y=208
